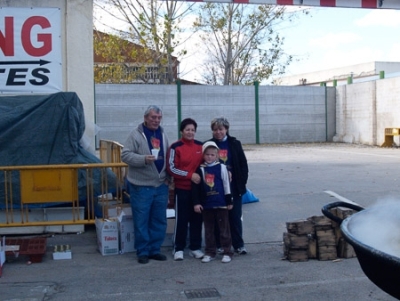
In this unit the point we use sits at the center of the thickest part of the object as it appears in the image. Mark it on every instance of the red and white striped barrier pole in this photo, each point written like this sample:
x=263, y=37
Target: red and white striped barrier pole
x=380, y=4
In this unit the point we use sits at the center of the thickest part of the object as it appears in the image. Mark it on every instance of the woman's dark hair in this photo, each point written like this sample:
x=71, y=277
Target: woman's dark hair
x=186, y=122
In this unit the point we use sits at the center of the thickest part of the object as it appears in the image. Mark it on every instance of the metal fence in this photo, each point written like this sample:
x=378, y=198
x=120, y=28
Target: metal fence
x=43, y=187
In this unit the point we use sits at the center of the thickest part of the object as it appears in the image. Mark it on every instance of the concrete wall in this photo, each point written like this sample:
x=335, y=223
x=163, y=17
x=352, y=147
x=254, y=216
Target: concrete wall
x=364, y=110
x=286, y=114
x=296, y=114
x=77, y=51
x=356, y=113
x=120, y=108
x=387, y=106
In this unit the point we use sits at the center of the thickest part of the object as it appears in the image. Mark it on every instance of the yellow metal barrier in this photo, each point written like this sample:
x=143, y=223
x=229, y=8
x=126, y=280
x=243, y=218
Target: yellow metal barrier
x=110, y=152
x=389, y=133
x=43, y=184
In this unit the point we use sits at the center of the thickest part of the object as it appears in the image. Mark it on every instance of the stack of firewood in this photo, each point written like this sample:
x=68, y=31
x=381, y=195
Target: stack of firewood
x=345, y=250
x=316, y=237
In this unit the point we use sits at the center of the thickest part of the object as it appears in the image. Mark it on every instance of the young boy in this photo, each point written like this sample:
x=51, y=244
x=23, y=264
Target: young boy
x=212, y=198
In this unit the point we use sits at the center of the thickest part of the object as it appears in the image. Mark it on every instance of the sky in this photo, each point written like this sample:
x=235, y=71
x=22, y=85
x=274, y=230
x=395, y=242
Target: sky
x=333, y=37
x=329, y=38
x=338, y=37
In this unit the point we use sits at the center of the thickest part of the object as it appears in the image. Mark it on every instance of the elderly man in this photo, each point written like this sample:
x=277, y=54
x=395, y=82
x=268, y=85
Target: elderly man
x=148, y=184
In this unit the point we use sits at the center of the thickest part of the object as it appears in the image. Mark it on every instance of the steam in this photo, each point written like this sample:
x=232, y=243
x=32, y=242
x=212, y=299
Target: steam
x=378, y=226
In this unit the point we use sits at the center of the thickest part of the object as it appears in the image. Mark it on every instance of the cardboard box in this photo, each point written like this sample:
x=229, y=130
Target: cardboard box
x=107, y=236
x=101, y=207
x=116, y=210
x=169, y=235
x=108, y=206
x=126, y=233
x=170, y=225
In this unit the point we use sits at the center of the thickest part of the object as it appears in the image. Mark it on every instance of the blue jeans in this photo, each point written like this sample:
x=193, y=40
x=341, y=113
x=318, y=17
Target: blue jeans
x=149, y=205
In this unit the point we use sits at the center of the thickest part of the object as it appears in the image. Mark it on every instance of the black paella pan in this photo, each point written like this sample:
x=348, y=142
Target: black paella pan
x=376, y=241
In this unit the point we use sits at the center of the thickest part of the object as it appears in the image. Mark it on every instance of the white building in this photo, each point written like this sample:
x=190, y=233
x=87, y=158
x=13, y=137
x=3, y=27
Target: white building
x=343, y=75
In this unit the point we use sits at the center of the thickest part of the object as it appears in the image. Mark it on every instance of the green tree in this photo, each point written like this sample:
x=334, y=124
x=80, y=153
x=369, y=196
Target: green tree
x=111, y=55
x=242, y=42
x=151, y=24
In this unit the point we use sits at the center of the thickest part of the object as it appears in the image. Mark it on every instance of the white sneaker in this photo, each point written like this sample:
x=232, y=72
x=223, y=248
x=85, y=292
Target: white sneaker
x=220, y=251
x=226, y=259
x=207, y=258
x=198, y=254
x=178, y=256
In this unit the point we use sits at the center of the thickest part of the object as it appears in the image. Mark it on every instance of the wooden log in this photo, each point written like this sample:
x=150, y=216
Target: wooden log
x=300, y=227
x=327, y=252
x=295, y=247
x=323, y=227
x=312, y=247
x=297, y=255
x=338, y=234
x=320, y=220
x=345, y=250
x=342, y=213
x=297, y=241
x=286, y=244
x=326, y=237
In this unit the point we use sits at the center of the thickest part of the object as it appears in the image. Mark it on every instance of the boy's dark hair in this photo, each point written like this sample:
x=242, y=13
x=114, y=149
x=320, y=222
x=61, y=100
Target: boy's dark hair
x=187, y=121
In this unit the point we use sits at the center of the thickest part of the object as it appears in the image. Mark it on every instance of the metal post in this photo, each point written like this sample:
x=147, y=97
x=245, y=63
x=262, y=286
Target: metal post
x=326, y=114
x=257, y=113
x=179, y=104
x=350, y=78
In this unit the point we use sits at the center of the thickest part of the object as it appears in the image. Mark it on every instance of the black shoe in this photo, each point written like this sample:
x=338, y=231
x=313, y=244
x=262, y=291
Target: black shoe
x=143, y=259
x=159, y=257
x=241, y=251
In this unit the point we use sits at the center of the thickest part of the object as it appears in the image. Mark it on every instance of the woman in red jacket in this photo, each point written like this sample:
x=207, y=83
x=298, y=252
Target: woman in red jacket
x=184, y=157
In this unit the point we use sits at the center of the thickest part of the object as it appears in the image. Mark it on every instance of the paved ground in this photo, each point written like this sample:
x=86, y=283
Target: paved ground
x=290, y=181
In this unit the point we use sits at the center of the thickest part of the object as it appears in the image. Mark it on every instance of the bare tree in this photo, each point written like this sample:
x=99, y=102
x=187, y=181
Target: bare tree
x=151, y=24
x=242, y=42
